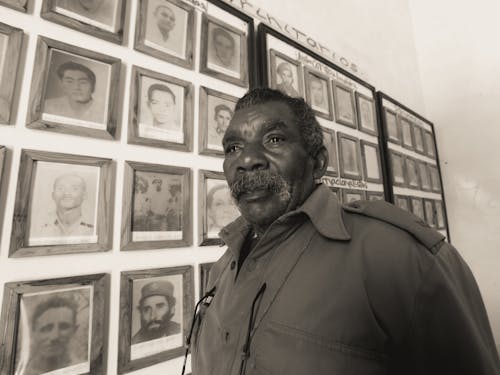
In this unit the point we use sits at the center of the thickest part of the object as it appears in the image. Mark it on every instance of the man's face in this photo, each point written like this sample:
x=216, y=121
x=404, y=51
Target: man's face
x=165, y=18
x=317, y=92
x=157, y=183
x=266, y=163
x=52, y=331
x=224, y=49
x=76, y=86
x=91, y=5
x=222, y=118
x=69, y=192
x=286, y=76
x=221, y=210
x=162, y=106
x=154, y=314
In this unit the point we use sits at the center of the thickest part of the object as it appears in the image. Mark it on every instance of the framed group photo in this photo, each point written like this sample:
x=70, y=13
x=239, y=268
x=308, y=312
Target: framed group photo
x=216, y=111
x=226, y=50
x=350, y=157
x=11, y=40
x=372, y=166
x=100, y=18
x=166, y=29
x=157, y=206
x=57, y=326
x=367, y=115
x=64, y=204
x=161, y=110
x=318, y=93
x=345, y=108
x=155, y=311
x=217, y=208
x=286, y=74
x=74, y=91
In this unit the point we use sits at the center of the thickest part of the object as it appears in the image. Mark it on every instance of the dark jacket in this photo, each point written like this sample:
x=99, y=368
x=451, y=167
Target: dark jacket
x=364, y=288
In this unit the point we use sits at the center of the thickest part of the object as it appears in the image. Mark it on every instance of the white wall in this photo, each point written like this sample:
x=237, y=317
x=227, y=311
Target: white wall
x=459, y=60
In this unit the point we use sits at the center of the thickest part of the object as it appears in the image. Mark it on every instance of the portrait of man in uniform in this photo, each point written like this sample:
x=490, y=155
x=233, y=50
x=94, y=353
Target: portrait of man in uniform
x=77, y=91
x=64, y=204
x=286, y=78
x=99, y=13
x=221, y=209
x=224, y=49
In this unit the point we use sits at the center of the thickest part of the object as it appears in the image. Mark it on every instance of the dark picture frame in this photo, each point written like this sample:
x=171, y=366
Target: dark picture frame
x=440, y=215
x=144, y=43
x=76, y=293
x=331, y=145
x=79, y=62
x=407, y=140
x=434, y=177
x=367, y=114
x=403, y=202
x=351, y=195
x=101, y=227
x=339, y=92
x=349, y=158
x=430, y=212
x=412, y=173
x=430, y=144
x=144, y=109
x=392, y=129
x=425, y=178
x=417, y=207
x=375, y=196
x=152, y=212
x=311, y=79
x=419, y=139
x=372, y=166
x=398, y=168
x=54, y=12
x=275, y=66
x=10, y=56
x=162, y=280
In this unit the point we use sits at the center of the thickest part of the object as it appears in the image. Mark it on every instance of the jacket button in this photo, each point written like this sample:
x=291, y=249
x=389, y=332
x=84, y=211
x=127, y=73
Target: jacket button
x=233, y=264
x=226, y=336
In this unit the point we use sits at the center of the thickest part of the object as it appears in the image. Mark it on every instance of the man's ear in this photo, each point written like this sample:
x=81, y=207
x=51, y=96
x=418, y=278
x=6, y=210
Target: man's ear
x=320, y=163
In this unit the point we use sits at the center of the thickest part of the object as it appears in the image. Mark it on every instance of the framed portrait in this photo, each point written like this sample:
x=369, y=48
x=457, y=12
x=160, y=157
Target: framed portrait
x=286, y=74
x=74, y=91
x=3, y=152
x=161, y=110
x=351, y=195
x=430, y=147
x=336, y=191
x=204, y=276
x=156, y=206
x=412, y=173
x=417, y=207
x=166, y=29
x=391, y=126
x=11, y=40
x=440, y=217
x=331, y=146
x=402, y=201
x=155, y=310
x=345, y=109
x=407, y=140
x=434, y=177
x=20, y=5
x=398, y=169
x=371, y=161
x=429, y=210
x=367, y=116
x=216, y=111
x=418, y=137
x=217, y=208
x=375, y=196
x=64, y=204
x=318, y=93
x=102, y=19
x=225, y=51
x=349, y=157
x=423, y=171
x=57, y=326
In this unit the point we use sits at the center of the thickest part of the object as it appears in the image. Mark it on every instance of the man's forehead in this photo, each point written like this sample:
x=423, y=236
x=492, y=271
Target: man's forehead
x=262, y=114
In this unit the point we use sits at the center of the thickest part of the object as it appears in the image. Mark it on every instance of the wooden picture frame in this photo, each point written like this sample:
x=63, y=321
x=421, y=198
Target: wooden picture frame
x=337, y=192
x=425, y=180
x=93, y=20
x=367, y=114
x=419, y=139
x=392, y=129
x=440, y=215
x=176, y=45
x=216, y=208
x=79, y=300
x=351, y=195
x=204, y=277
x=434, y=177
x=141, y=347
x=430, y=145
x=279, y=63
x=398, y=169
x=318, y=93
x=90, y=231
x=345, y=107
x=429, y=210
x=403, y=202
x=150, y=123
x=372, y=165
x=331, y=146
x=349, y=157
x=407, y=140
x=216, y=110
x=412, y=173
x=162, y=218
x=49, y=110
x=375, y=196
x=20, y=5
x=417, y=207
x=214, y=61
x=11, y=43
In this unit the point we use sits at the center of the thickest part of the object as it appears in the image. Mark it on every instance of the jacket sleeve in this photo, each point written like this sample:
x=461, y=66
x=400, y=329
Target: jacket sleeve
x=451, y=331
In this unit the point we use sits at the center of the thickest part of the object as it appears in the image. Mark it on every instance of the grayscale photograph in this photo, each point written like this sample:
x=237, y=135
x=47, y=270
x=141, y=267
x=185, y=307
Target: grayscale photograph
x=99, y=13
x=224, y=49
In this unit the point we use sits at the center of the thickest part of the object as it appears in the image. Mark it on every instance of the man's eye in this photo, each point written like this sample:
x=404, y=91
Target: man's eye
x=231, y=148
x=276, y=139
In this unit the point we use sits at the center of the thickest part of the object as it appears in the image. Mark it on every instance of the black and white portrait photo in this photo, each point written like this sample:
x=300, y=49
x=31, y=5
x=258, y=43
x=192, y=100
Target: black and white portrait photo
x=220, y=208
x=4, y=104
x=366, y=114
x=430, y=218
x=425, y=182
x=349, y=195
x=331, y=146
x=391, y=125
x=77, y=90
x=161, y=110
x=419, y=139
x=401, y=201
x=398, y=169
x=20, y=5
x=430, y=147
x=285, y=75
x=11, y=40
x=103, y=14
x=406, y=133
x=371, y=161
x=220, y=112
x=224, y=47
x=157, y=206
x=350, y=163
x=54, y=332
x=345, y=110
x=63, y=204
x=318, y=93
x=417, y=207
x=157, y=311
x=412, y=170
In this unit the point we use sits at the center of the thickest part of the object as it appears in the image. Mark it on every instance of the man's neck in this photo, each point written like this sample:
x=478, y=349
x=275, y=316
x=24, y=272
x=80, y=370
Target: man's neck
x=69, y=217
x=164, y=34
x=80, y=107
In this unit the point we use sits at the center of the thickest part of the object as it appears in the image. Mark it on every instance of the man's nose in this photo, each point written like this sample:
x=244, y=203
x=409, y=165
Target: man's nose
x=252, y=158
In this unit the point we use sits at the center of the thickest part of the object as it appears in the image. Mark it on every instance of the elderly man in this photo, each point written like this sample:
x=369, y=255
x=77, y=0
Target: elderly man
x=308, y=286
x=156, y=307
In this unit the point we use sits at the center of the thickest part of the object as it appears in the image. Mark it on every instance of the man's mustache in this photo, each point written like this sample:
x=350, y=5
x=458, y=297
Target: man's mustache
x=159, y=323
x=258, y=180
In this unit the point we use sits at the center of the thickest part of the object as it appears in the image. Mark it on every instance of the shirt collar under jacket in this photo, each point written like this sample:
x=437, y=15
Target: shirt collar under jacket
x=321, y=207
